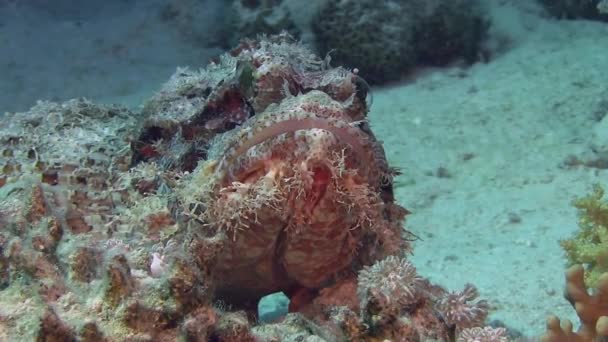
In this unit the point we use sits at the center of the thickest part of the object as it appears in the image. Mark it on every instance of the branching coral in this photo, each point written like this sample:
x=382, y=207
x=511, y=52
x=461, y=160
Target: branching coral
x=589, y=247
x=591, y=309
x=587, y=251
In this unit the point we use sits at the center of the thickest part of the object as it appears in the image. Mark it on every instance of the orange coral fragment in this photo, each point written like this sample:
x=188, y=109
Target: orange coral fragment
x=591, y=309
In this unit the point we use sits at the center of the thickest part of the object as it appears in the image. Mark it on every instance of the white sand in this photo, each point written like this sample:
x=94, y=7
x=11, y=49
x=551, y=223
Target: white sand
x=519, y=117
x=493, y=220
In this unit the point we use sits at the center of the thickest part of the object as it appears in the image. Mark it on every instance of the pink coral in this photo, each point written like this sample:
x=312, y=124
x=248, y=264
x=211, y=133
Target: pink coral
x=391, y=282
x=460, y=310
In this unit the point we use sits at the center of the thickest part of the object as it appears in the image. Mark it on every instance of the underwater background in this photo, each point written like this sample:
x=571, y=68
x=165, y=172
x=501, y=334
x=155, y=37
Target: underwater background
x=494, y=112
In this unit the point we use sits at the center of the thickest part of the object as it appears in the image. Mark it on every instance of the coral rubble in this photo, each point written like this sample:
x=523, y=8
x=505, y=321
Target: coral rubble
x=258, y=174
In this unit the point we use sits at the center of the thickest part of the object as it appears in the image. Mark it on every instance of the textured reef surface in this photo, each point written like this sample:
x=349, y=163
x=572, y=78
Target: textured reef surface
x=256, y=175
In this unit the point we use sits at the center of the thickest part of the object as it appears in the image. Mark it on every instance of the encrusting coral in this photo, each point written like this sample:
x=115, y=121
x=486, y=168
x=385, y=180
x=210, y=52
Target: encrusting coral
x=258, y=174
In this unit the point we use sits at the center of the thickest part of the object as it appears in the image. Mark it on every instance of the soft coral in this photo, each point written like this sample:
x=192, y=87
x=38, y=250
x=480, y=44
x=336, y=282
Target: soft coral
x=589, y=247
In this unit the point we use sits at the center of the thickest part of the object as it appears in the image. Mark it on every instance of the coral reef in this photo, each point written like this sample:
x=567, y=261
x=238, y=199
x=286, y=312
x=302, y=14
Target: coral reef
x=589, y=247
x=258, y=174
x=386, y=40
